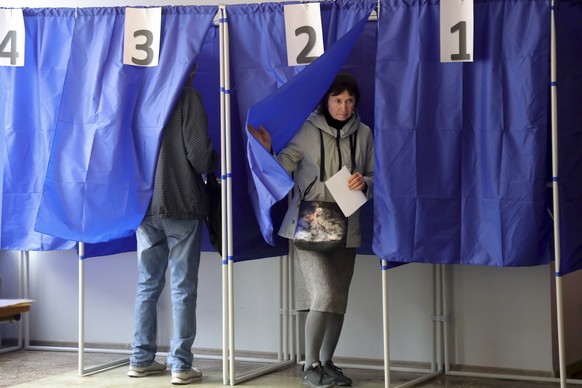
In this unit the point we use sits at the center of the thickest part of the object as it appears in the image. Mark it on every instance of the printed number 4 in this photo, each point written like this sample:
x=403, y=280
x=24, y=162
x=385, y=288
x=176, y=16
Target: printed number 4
x=13, y=53
x=462, y=55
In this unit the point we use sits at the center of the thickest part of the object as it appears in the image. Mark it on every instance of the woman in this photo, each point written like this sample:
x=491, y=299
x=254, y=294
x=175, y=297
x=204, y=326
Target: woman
x=346, y=141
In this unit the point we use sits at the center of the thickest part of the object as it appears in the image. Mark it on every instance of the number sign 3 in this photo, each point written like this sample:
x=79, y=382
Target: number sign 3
x=141, y=40
x=303, y=33
x=456, y=30
x=12, y=37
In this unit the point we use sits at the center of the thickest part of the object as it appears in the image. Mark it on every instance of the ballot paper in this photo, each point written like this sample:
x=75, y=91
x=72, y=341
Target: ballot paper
x=348, y=200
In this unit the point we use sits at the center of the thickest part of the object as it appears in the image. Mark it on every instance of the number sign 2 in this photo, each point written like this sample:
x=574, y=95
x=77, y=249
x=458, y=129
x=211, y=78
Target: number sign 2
x=12, y=37
x=303, y=33
x=456, y=29
x=141, y=40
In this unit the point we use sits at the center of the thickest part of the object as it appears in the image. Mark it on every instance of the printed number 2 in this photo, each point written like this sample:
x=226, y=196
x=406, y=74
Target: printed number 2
x=149, y=37
x=462, y=55
x=302, y=58
x=13, y=53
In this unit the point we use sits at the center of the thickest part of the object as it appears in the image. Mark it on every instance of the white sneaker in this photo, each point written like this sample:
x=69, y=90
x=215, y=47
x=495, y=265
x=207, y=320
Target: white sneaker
x=186, y=377
x=142, y=371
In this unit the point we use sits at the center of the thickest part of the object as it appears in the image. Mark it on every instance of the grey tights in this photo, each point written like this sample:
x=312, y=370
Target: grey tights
x=322, y=332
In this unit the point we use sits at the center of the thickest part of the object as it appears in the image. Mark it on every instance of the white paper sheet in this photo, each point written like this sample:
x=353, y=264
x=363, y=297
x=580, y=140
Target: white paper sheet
x=348, y=200
x=141, y=37
x=303, y=33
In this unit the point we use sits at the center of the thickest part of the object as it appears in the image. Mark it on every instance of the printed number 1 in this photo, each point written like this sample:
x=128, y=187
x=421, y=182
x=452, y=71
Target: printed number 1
x=13, y=53
x=462, y=55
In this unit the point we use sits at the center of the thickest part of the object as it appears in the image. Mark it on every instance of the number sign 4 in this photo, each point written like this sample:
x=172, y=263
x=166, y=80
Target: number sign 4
x=141, y=40
x=12, y=37
x=456, y=30
x=303, y=33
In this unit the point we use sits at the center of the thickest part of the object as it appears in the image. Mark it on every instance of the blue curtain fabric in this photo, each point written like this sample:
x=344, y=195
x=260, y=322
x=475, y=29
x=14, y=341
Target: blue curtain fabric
x=206, y=81
x=461, y=175
x=100, y=172
x=280, y=97
x=282, y=113
x=462, y=149
x=568, y=17
x=30, y=98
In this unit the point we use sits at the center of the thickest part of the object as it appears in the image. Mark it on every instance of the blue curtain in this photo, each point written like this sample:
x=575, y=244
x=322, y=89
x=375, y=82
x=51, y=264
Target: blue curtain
x=206, y=81
x=568, y=18
x=30, y=97
x=259, y=69
x=100, y=172
x=461, y=147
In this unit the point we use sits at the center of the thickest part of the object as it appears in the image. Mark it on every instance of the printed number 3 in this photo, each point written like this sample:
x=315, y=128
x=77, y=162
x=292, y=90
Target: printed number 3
x=149, y=37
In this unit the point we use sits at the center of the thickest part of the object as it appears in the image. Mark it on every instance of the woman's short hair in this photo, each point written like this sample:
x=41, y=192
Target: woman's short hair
x=342, y=82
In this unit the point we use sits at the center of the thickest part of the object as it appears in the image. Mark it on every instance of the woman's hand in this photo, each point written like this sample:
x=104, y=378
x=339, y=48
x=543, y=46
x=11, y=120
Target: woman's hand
x=262, y=135
x=357, y=182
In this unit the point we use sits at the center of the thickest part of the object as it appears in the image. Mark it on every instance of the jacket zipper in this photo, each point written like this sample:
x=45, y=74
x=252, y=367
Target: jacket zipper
x=339, y=151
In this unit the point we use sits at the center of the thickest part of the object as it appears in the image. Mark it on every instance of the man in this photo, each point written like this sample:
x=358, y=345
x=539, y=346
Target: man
x=170, y=236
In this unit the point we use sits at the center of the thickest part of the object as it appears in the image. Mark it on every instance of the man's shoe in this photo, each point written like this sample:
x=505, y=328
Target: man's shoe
x=142, y=371
x=186, y=377
x=336, y=374
x=315, y=376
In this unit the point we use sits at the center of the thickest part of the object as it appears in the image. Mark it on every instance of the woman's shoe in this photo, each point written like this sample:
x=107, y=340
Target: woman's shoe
x=315, y=377
x=336, y=374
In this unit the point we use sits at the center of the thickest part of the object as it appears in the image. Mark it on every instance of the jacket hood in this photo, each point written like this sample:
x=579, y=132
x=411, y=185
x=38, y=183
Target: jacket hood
x=318, y=120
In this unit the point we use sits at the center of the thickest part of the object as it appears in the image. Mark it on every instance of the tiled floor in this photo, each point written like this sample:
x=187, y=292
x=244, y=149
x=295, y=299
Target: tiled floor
x=33, y=368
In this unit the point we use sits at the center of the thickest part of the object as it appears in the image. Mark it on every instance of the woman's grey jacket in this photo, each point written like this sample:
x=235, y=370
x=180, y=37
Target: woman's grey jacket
x=302, y=156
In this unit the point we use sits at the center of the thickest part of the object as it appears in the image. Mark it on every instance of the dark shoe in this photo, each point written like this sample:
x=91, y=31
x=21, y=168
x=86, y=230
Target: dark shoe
x=315, y=376
x=336, y=374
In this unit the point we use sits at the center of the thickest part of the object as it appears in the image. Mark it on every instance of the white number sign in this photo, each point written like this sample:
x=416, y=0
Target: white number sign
x=457, y=27
x=12, y=37
x=303, y=33
x=141, y=39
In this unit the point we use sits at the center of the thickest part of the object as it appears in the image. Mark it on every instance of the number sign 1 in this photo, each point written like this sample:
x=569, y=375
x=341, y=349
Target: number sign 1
x=456, y=30
x=12, y=37
x=303, y=33
x=141, y=40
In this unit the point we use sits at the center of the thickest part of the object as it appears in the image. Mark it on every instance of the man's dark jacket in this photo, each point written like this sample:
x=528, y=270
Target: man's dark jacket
x=185, y=154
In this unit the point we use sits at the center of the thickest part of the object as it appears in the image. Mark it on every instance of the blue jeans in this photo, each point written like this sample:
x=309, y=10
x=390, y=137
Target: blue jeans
x=163, y=243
